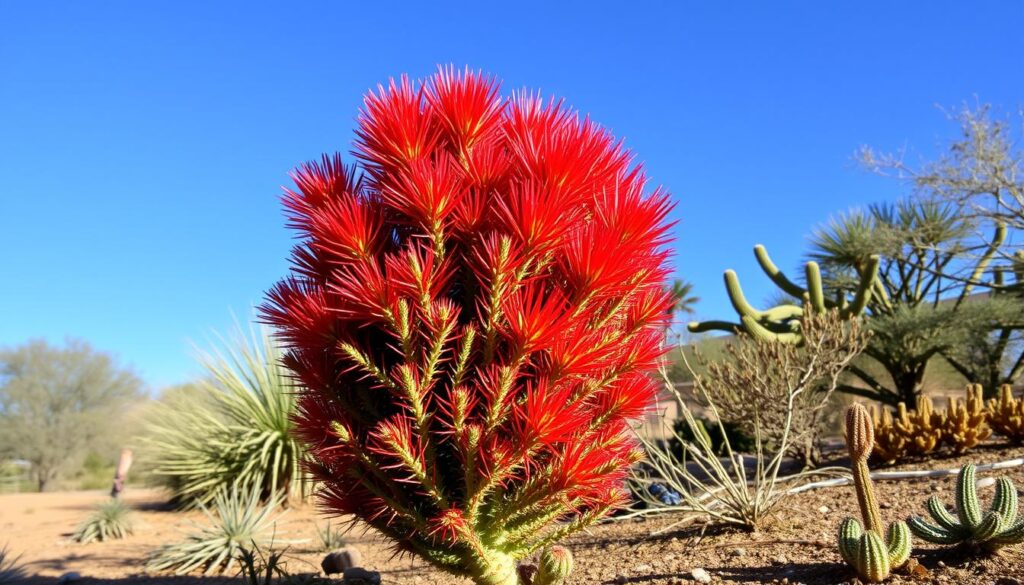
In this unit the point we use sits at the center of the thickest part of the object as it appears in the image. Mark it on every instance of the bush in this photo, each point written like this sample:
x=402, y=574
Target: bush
x=474, y=318
x=233, y=430
x=110, y=521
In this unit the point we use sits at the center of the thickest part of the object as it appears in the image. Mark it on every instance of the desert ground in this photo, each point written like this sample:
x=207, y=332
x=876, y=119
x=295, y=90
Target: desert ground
x=797, y=545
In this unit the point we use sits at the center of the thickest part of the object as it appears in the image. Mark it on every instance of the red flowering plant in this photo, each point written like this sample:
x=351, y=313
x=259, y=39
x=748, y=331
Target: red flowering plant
x=473, y=314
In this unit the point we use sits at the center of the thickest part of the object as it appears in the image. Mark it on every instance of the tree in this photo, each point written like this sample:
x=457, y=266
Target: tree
x=683, y=299
x=56, y=403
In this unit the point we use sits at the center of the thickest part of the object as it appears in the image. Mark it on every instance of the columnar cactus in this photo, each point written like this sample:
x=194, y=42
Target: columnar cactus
x=781, y=323
x=964, y=423
x=473, y=317
x=863, y=548
x=996, y=528
x=1006, y=414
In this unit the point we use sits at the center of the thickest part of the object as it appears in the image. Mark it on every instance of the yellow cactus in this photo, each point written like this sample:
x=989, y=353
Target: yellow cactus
x=890, y=443
x=1006, y=414
x=964, y=423
x=922, y=427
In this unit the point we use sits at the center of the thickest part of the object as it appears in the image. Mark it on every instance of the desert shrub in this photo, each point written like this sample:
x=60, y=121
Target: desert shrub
x=731, y=488
x=233, y=429
x=752, y=384
x=718, y=432
x=10, y=570
x=473, y=316
x=237, y=521
x=110, y=520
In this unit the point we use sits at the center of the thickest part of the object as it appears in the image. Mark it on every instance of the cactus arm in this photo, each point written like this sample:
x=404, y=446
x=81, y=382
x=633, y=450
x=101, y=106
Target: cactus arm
x=735, y=293
x=941, y=514
x=705, y=326
x=1005, y=501
x=757, y=330
x=997, y=240
x=868, y=279
x=776, y=275
x=815, y=293
x=991, y=525
x=1012, y=535
x=967, y=506
x=898, y=543
x=872, y=558
x=931, y=533
x=554, y=567
x=849, y=539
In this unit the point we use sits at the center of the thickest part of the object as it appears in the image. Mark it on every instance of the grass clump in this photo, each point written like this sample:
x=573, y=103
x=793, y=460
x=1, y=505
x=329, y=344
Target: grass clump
x=236, y=522
x=110, y=520
x=10, y=570
x=330, y=537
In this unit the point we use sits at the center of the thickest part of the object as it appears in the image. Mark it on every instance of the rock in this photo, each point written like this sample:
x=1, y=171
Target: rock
x=986, y=482
x=69, y=577
x=341, y=559
x=700, y=575
x=620, y=579
x=359, y=576
x=642, y=568
x=1007, y=581
x=738, y=552
x=824, y=510
x=780, y=560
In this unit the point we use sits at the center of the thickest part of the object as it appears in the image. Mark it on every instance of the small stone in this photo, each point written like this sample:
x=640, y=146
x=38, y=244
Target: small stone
x=738, y=552
x=700, y=575
x=780, y=560
x=885, y=505
x=69, y=577
x=986, y=482
x=359, y=576
x=941, y=564
x=620, y=579
x=641, y=568
x=341, y=559
x=824, y=510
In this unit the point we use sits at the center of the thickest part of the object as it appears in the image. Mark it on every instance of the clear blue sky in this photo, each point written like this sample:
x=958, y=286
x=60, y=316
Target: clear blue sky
x=143, y=144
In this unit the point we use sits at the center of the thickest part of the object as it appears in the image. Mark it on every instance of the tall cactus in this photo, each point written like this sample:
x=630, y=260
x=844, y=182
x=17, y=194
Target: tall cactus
x=782, y=322
x=863, y=547
x=1006, y=414
x=992, y=530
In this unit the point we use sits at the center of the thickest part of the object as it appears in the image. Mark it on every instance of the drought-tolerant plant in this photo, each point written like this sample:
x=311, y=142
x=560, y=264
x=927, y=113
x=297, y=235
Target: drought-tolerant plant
x=863, y=547
x=1006, y=414
x=473, y=316
x=922, y=426
x=754, y=381
x=991, y=530
x=110, y=520
x=237, y=521
x=890, y=442
x=232, y=430
x=964, y=423
x=715, y=480
x=10, y=570
x=330, y=537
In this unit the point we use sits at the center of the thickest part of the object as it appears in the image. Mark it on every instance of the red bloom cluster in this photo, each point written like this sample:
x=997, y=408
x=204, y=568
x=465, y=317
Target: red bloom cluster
x=473, y=315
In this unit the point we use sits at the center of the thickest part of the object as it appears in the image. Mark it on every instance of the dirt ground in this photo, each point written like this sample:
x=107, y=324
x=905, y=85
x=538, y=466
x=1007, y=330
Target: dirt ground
x=797, y=547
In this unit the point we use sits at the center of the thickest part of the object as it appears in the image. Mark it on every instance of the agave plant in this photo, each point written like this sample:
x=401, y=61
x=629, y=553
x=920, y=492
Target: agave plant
x=10, y=570
x=329, y=537
x=237, y=522
x=474, y=316
x=109, y=521
x=996, y=528
x=233, y=430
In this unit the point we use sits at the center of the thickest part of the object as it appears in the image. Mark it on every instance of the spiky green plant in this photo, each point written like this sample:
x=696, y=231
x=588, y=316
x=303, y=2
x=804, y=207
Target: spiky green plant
x=10, y=570
x=233, y=429
x=110, y=520
x=863, y=547
x=329, y=537
x=992, y=530
x=555, y=565
x=237, y=521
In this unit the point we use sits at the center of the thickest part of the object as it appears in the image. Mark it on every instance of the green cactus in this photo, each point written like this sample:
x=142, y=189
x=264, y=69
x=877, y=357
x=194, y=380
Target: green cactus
x=555, y=566
x=863, y=547
x=992, y=530
x=782, y=323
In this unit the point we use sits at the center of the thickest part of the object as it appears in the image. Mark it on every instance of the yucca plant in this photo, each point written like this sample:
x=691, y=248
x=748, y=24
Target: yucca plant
x=10, y=570
x=997, y=527
x=237, y=521
x=233, y=430
x=474, y=315
x=110, y=520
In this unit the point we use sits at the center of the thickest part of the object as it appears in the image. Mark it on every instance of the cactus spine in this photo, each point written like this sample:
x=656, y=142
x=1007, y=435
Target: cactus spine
x=1006, y=414
x=997, y=527
x=782, y=323
x=863, y=548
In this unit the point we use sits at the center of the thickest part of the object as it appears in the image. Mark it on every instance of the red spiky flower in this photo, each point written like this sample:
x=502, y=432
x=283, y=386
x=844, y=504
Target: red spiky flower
x=473, y=315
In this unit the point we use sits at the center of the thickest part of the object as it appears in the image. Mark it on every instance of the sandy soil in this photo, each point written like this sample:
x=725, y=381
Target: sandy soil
x=797, y=547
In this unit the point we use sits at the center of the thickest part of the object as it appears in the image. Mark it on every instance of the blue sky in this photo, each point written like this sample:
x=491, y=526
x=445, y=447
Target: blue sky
x=143, y=145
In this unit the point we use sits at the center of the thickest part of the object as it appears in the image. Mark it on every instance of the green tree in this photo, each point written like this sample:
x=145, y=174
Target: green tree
x=58, y=403
x=683, y=299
